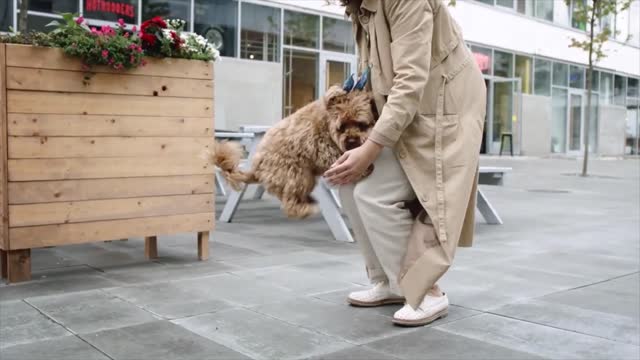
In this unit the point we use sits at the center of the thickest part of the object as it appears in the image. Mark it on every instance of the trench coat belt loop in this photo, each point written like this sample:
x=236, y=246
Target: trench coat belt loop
x=440, y=205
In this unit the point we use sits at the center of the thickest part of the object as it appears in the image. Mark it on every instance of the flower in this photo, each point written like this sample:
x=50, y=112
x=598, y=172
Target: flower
x=143, y=62
x=149, y=39
x=134, y=29
x=121, y=23
x=80, y=20
x=105, y=53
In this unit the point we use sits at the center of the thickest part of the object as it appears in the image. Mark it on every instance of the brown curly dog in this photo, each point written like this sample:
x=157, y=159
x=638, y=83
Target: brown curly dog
x=301, y=147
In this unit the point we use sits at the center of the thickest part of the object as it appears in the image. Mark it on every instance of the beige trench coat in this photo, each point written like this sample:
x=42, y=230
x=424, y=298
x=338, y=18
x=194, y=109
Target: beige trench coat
x=433, y=101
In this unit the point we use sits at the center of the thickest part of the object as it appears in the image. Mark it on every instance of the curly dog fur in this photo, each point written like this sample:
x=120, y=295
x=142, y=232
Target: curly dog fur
x=301, y=147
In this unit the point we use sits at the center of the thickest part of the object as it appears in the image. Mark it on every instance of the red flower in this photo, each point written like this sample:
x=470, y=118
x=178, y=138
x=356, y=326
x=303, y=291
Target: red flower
x=177, y=40
x=79, y=20
x=149, y=39
x=105, y=53
x=156, y=21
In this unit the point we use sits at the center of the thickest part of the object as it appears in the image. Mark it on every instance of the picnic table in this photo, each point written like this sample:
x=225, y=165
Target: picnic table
x=327, y=198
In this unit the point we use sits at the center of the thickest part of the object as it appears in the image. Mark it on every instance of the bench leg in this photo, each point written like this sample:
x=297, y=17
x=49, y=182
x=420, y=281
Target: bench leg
x=151, y=247
x=487, y=210
x=231, y=205
x=331, y=213
x=259, y=193
x=220, y=184
x=203, y=245
x=16, y=265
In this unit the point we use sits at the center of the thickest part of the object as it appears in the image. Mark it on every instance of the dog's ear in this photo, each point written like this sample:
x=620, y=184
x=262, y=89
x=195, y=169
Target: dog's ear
x=332, y=95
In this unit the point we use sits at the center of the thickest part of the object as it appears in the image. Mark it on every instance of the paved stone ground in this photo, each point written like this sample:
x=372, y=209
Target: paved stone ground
x=558, y=280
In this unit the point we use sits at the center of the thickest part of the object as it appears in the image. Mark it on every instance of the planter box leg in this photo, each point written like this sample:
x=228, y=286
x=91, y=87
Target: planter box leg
x=18, y=265
x=203, y=245
x=5, y=265
x=151, y=247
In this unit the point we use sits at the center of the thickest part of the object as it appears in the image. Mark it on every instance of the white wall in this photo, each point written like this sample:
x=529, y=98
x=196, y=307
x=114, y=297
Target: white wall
x=247, y=93
x=509, y=30
x=611, y=130
x=536, y=125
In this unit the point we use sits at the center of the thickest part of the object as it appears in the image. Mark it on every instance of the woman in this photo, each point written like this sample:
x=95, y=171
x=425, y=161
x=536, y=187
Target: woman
x=425, y=148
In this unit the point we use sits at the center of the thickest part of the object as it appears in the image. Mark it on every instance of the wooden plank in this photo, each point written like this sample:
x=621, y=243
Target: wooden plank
x=4, y=263
x=100, y=104
x=65, y=234
x=44, y=147
x=19, y=78
x=54, y=59
x=99, y=168
x=31, y=192
x=110, y=209
x=18, y=265
x=4, y=213
x=203, y=245
x=104, y=125
x=151, y=247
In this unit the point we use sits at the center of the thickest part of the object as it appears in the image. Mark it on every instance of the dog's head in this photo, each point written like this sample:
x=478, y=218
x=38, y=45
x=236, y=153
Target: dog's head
x=351, y=116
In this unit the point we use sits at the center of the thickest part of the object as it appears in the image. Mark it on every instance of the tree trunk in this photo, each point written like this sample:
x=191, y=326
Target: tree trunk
x=22, y=17
x=589, y=84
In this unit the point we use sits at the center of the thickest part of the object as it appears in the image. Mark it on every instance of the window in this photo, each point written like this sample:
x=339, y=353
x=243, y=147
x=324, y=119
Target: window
x=505, y=3
x=595, y=80
x=483, y=58
x=632, y=88
x=39, y=23
x=544, y=9
x=620, y=90
x=488, y=2
x=524, y=67
x=542, y=77
x=503, y=64
x=300, y=79
x=301, y=29
x=576, y=77
x=606, y=88
x=217, y=21
x=260, y=33
x=6, y=15
x=53, y=6
x=525, y=7
x=93, y=9
x=577, y=10
x=559, y=110
x=175, y=9
x=337, y=35
x=560, y=74
x=634, y=23
x=622, y=25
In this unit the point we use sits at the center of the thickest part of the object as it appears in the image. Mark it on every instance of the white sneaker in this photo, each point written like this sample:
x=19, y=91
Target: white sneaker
x=379, y=295
x=431, y=309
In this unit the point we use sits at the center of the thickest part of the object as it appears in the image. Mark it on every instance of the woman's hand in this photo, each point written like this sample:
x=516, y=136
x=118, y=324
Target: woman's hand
x=353, y=163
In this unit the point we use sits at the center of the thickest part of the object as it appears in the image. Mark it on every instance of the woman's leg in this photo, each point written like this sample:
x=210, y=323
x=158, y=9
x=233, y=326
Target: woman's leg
x=378, y=208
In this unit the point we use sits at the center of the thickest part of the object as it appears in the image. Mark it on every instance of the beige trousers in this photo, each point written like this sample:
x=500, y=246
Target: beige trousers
x=381, y=224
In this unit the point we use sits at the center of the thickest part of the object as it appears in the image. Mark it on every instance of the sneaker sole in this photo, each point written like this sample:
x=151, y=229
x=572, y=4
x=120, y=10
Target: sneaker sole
x=376, y=303
x=422, y=322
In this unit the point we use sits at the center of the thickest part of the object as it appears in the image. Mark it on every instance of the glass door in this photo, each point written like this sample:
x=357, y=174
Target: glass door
x=575, y=123
x=334, y=69
x=504, y=99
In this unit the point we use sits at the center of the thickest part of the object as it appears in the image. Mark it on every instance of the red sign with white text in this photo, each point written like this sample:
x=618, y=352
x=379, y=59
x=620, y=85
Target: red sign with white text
x=110, y=10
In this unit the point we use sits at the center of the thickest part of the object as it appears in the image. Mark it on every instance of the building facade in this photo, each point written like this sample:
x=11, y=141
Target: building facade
x=280, y=54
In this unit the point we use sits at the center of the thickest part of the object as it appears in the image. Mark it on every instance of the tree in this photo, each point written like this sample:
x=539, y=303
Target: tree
x=22, y=18
x=594, y=13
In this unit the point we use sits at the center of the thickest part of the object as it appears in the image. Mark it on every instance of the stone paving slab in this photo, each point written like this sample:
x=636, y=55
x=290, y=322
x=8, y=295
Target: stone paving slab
x=431, y=343
x=538, y=339
x=90, y=311
x=65, y=348
x=21, y=323
x=158, y=340
x=260, y=336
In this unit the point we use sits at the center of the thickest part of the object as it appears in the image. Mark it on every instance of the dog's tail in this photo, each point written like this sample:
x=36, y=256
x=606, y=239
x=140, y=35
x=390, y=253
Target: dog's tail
x=226, y=156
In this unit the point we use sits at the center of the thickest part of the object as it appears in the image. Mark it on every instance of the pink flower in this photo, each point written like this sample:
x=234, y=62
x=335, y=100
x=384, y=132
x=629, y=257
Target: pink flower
x=121, y=22
x=126, y=35
x=105, y=53
x=134, y=29
x=132, y=59
x=107, y=30
x=80, y=20
x=118, y=66
x=95, y=31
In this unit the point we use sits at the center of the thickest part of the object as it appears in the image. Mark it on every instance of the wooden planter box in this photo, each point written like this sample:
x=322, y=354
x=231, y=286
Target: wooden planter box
x=101, y=156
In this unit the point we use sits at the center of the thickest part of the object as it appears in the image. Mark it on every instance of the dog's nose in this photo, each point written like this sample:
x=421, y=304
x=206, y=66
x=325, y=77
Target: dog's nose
x=352, y=143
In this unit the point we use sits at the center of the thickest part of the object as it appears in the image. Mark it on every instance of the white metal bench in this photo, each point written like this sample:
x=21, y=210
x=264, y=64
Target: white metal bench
x=328, y=200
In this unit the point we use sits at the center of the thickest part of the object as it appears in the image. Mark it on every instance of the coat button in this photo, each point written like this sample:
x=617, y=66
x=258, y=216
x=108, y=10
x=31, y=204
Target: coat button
x=402, y=154
x=365, y=19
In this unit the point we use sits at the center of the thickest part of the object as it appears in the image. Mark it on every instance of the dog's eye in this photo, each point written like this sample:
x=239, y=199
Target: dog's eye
x=342, y=128
x=363, y=126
